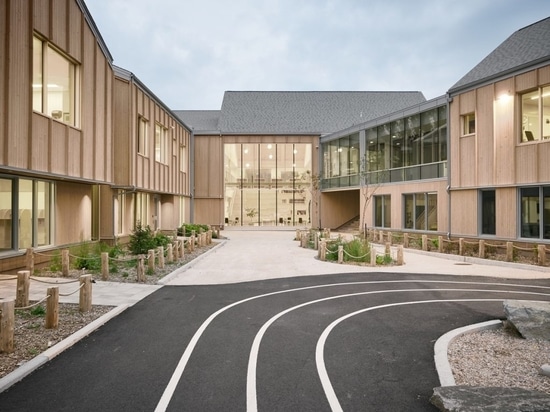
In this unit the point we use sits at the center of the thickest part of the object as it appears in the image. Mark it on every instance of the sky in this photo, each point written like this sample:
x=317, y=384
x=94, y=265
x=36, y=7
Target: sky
x=188, y=53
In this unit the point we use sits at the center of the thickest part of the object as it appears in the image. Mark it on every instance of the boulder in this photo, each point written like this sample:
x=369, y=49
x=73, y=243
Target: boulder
x=489, y=399
x=531, y=319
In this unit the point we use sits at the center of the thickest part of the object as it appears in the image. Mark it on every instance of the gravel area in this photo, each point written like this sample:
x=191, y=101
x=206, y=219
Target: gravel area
x=499, y=358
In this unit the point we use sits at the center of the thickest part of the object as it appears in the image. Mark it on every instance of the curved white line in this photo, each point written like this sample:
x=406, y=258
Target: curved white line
x=251, y=390
x=178, y=372
x=319, y=350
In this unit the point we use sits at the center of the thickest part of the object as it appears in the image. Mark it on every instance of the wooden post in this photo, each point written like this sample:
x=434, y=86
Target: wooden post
x=7, y=325
x=400, y=255
x=405, y=239
x=161, y=256
x=141, y=269
x=424, y=242
x=440, y=244
x=390, y=238
x=182, y=248
x=30, y=260
x=316, y=236
x=22, y=293
x=509, y=251
x=340, y=254
x=387, y=250
x=323, y=250
x=151, y=259
x=52, y=308
x=541, y=255
x=372, y=255
x=482, y=249
x=170, y=253
x=85, y=293
x=461, y=246
x=65, y=262
x=104, y=266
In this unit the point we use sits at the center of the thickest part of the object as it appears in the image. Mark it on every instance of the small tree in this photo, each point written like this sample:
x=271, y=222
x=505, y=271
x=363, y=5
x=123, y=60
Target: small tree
x=369, y=183
x=315, y=190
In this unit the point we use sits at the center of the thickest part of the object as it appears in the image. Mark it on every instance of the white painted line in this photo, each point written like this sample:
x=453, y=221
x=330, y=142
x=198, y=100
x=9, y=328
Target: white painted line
x=251, y=389
x=178, y=372
x=319, y=351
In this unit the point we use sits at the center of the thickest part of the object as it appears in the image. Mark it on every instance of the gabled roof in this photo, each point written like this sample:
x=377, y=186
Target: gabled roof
x=292, y=112
x=298, y=112
x=525, y=48
x=205, y=121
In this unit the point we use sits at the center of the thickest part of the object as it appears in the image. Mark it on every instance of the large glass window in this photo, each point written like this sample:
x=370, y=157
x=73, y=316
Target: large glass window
x=55, y=85
x=268, y=184
x=6, y=215
x=535, y=212
x=161, y=144
x=488, y=212
x=382, y=211
x=142, y=137
x=420, y=211
x=535, y=115
x=141, y=211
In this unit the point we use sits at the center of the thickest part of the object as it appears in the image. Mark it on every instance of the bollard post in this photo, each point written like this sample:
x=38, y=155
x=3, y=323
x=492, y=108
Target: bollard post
x=541, y=255
x=85, y=293
x=151, y=259
x=22, y=293
x=7, y=325
x=372, y=256
x=340, y=254
x=482, y=249
x=461, y=246
x=104, y=266
x=440, y=244
x=161, y=256
x=182, y=248
x=509, y=251
x=323, y=250
x=29, y=258
x=141, y=269
x=170, y=253
x=406, y=240
x=387, y=249
x=390, y=238
x=52, y=308
x=65, y=262
x=424, y=242
x=400, y=255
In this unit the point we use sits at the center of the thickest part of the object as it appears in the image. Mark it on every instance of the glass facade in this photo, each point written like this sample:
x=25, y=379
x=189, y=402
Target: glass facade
x=405, y=149
x=267, y=184
x=535, y=212
x=420, y=211
x=535, y=112
x=31, y=225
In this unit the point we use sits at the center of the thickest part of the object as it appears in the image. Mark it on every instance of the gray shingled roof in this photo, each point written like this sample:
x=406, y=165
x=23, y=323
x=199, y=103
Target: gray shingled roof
x=526, y=47
x=200, y=120
x=294, y=112
x=290, y=112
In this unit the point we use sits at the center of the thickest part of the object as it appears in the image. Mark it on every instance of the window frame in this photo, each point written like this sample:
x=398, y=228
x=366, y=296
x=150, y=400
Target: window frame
x=466, y=121
x=70, y=112
x=540, y=131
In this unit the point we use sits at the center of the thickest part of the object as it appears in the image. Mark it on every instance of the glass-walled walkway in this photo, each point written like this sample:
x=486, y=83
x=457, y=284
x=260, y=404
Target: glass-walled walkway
x=267, y=184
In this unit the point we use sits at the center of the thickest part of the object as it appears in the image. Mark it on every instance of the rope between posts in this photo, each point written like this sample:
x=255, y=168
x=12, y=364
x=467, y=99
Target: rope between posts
x=34, y=304
x=356, y=257
x=73, y=292
x=12, y=278
x=44, y=254
x=53, y=283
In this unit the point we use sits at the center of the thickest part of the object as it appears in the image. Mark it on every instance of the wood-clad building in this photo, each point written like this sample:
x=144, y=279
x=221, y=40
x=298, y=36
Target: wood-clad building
x=499, y=132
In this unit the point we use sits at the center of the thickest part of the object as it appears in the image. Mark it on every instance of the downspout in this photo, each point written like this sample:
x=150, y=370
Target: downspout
x=448, y=189
x=192, y=175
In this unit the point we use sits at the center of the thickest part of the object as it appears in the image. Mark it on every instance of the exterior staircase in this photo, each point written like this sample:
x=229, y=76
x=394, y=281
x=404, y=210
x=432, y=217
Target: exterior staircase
x=351, y=226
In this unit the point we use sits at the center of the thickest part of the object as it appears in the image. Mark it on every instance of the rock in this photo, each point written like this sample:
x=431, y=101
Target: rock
x=488, y=399
x=545, y=370
x=531, y=319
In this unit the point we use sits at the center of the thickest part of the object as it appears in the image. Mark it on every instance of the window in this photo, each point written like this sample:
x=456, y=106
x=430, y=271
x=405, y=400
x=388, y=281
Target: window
x=141, y=213
x=468, y=124
x=382, y=211
x=161, y=144
x=420, y=211
x=55, y=84
x=142, y=141
x=535, y=212
x=488, y=212
x=535, y=115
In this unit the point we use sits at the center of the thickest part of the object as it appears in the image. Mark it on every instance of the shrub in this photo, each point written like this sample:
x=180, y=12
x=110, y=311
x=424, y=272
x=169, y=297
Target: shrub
x=141, y=240
x=186, y=228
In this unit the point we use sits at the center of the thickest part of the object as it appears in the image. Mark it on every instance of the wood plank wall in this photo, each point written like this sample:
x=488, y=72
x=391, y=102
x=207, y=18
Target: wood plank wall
x=34, y=141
